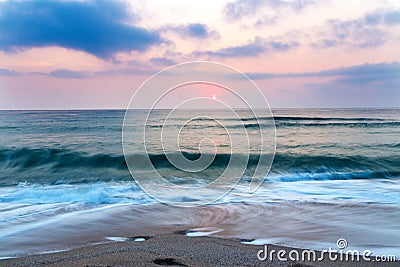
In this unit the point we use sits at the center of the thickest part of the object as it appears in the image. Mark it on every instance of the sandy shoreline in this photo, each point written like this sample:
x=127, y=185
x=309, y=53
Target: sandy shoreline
x=173, y=250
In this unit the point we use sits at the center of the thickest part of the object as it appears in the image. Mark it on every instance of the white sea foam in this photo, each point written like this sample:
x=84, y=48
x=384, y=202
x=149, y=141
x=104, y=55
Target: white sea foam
x=205, y=231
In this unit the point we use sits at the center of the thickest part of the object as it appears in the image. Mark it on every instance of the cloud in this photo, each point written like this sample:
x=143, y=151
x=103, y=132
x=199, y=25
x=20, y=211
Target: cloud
x=380, y=70
x=363, y=85
x=266, y=20
x=7, y=72
x=64, y=73
x=253, y=48
x=379, y=81
x=364, y=72
x=353, y=33
x=193, y=30
x=383, y=17
x=100, y=28
x=366, y=85
x=238, y=9
x=242, y=8
x=83, y=74
x=364, y=32
x=162, y=61
x=391, y=17
x=383, y=76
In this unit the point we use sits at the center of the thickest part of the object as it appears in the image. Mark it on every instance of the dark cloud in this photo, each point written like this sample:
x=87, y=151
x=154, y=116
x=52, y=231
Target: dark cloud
x=196, y=30
x=254, y=48
x=97, y=27
x=162, y=61
x=193, y=30
x=242, y=8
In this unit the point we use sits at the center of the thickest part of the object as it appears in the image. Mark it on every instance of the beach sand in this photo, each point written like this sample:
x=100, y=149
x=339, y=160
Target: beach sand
x=174, y=249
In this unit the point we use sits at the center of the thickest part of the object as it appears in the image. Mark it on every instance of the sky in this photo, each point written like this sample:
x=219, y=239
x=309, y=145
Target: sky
x=300, y=53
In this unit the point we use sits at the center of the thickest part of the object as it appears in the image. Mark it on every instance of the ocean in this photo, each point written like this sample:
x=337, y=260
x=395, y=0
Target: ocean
x=64, y=181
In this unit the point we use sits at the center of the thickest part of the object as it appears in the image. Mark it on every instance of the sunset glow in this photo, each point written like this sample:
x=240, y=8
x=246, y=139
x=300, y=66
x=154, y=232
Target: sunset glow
x=300, y=53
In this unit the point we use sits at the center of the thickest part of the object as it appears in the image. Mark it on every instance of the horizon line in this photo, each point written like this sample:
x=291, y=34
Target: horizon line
x=121, y=109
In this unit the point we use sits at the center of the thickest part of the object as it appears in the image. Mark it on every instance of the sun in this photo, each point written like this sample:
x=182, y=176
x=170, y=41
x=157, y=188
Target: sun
x=214, y=97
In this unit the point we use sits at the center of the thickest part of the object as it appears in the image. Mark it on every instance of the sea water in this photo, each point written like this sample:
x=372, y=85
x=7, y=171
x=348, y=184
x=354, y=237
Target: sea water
x=64, y=181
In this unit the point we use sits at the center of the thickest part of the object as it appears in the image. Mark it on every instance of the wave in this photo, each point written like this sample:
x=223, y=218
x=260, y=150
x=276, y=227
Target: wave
x=287, y=123
x=331, y=176
x=58, y=158
x=342, y=124
x=52, y=158
x=64, y=158
x=127, y=192
x=313, y=163
x=297, y=118
x=293, y=118
x=97, y=193
x=42, y=160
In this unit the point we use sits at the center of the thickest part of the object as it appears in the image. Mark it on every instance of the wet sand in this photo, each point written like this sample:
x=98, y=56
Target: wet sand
x=175, y=249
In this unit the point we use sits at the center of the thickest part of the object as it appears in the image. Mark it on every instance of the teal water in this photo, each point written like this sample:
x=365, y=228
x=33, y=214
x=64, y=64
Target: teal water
x=335, y=171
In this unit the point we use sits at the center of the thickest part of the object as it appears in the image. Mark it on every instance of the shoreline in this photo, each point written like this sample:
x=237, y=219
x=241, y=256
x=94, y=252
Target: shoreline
x=177, y=249
x=287, y=225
